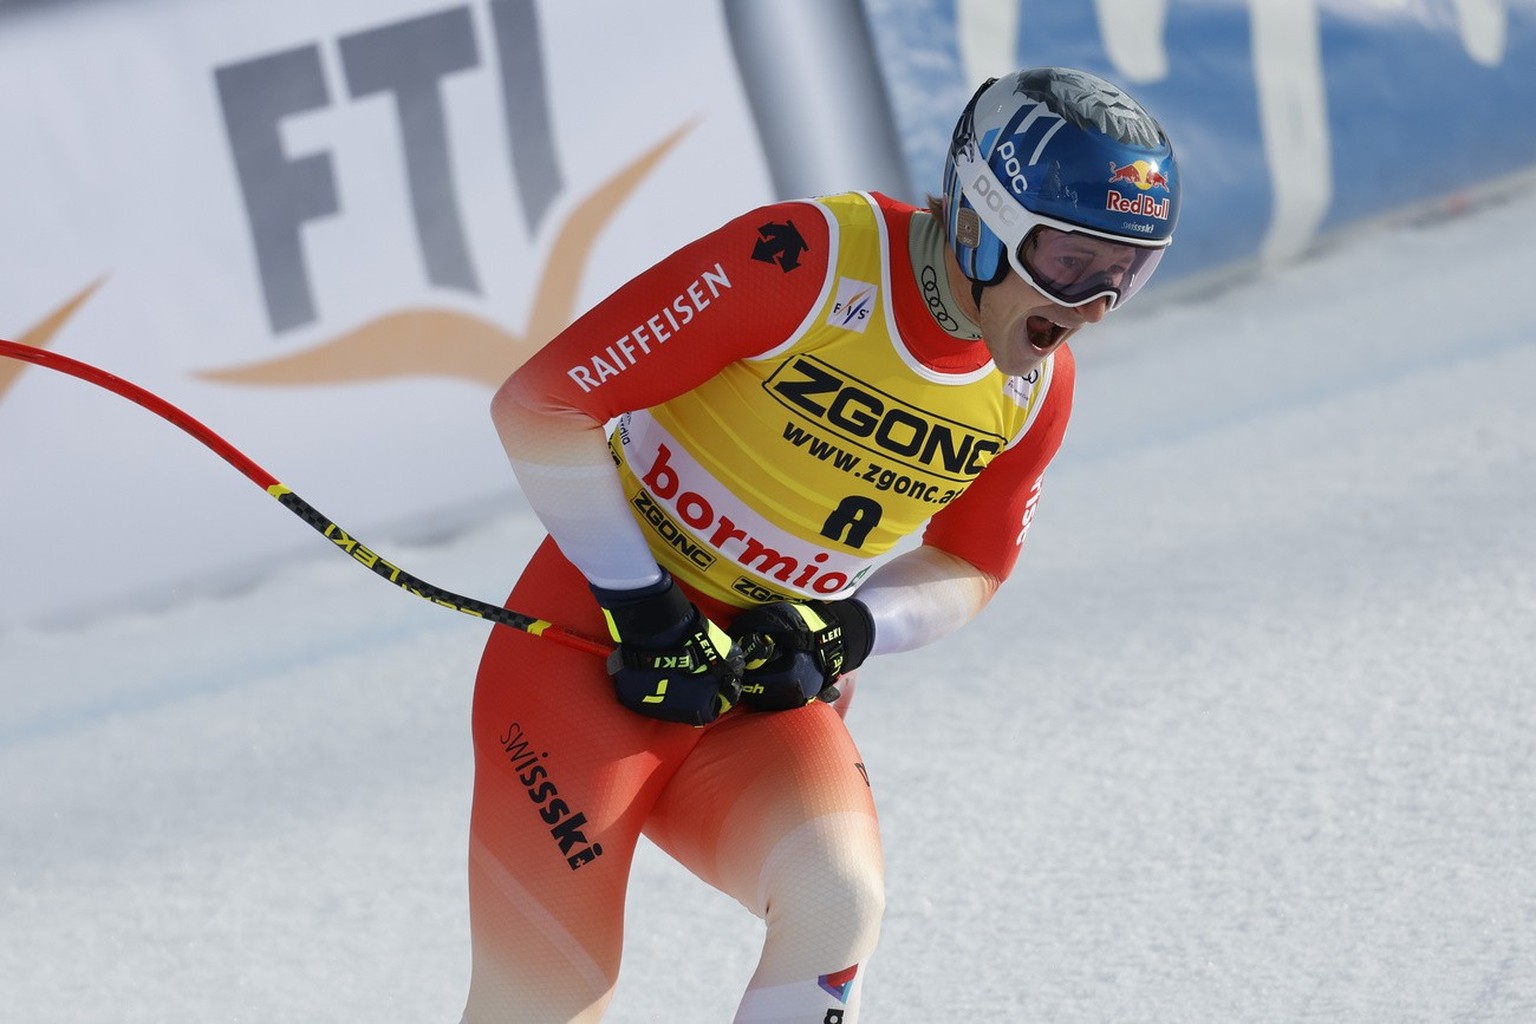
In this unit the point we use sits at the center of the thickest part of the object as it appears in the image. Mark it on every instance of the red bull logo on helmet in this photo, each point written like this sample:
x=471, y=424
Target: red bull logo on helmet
x=1143, y=175
x=1146, y=178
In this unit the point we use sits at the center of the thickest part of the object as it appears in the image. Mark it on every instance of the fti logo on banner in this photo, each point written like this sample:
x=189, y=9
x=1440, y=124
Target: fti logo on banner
x=286, y=194
x=855, y=300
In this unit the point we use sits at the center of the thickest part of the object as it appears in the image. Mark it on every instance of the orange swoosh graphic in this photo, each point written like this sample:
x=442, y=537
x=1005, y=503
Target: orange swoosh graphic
x=409, y=343
x=440, y=342
x=42, y=333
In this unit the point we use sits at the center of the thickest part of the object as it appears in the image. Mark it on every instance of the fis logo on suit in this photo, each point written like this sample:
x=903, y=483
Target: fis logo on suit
x=855, y=300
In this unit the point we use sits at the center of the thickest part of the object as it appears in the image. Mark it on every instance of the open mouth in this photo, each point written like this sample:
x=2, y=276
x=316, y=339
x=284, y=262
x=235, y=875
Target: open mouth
x=1044, y=333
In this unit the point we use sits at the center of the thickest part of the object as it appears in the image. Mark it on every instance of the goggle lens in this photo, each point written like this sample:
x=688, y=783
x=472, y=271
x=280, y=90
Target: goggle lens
x=1075, y=268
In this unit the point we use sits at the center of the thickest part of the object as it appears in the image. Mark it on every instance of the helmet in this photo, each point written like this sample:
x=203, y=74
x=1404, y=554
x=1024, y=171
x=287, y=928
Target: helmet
x=1047, y=151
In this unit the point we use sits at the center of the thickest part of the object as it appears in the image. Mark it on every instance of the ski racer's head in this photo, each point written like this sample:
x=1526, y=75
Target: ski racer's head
x=1060, y=177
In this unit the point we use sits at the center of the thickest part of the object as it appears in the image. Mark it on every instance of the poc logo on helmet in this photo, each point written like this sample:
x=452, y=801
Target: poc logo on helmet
x=1013, y=168
x=983, y=184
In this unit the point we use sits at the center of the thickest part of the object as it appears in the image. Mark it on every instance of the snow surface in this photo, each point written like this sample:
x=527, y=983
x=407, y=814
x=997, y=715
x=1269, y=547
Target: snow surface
x=1248, y=737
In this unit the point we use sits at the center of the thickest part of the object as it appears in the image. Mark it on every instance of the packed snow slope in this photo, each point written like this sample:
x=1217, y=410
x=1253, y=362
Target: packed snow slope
x=1248, y=737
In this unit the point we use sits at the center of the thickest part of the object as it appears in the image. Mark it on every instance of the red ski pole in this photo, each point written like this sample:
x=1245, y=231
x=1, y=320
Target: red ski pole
x=298, y=506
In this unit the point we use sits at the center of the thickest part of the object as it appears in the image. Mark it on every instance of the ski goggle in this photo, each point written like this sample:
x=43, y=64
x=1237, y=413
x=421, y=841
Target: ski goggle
x=1075, y=267
x=1071, y=264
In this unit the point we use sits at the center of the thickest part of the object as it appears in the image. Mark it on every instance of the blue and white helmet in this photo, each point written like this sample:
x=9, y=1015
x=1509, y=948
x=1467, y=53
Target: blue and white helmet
x=1060, y=149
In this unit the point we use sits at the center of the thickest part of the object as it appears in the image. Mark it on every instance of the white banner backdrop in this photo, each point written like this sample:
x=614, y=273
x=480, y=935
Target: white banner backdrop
x=327, y=231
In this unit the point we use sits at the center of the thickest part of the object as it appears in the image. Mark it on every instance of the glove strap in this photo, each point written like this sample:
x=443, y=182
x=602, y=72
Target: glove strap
x=841, y=634
x=653, y=624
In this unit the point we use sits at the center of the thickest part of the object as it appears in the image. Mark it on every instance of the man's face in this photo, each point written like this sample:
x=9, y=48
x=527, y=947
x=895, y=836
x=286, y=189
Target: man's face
x=1021, y=326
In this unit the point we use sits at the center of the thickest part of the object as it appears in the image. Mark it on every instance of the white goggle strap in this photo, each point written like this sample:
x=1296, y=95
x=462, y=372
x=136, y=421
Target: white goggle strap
x=999, y=210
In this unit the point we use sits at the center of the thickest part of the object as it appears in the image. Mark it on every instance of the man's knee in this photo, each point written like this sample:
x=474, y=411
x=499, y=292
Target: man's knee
x=822, y=890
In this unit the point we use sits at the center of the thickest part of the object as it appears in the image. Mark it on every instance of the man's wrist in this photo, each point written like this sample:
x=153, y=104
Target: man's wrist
x=858, y=626
x=657, y=614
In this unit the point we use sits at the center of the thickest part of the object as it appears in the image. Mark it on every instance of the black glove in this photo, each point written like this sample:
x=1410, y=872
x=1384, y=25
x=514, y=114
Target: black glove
x=671, y=663
x=796, y=651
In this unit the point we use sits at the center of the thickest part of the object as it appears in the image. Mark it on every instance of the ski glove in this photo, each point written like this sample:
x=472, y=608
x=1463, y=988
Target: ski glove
x=671, y=663
x=800, y=649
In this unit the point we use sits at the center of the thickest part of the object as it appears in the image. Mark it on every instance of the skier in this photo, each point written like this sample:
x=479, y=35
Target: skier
x=795, y=393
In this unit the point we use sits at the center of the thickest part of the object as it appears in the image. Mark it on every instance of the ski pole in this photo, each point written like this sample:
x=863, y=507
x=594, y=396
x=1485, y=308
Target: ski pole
x=298, y=506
